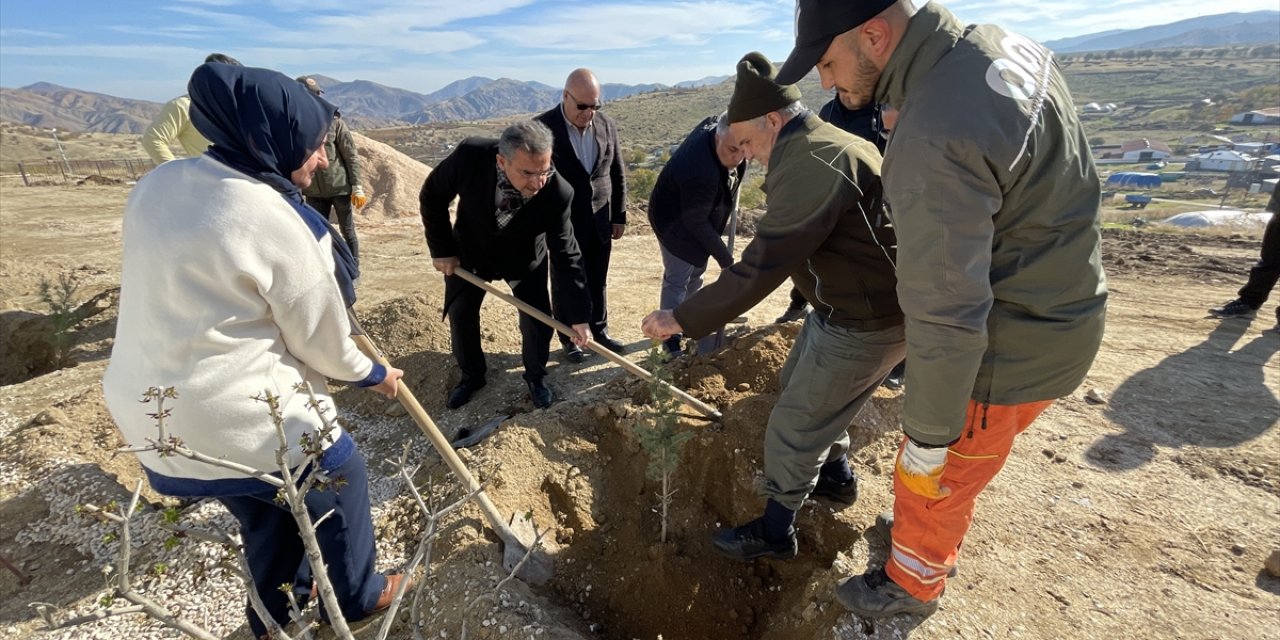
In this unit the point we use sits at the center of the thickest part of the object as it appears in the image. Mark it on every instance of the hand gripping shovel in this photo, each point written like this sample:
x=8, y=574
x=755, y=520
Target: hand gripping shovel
x=705, y=409
x=517, y=534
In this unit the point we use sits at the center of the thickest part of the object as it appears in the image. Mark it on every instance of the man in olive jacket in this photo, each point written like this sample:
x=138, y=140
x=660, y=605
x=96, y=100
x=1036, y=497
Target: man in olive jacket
x=825, y=228
x=995, y=200
x=338, y=187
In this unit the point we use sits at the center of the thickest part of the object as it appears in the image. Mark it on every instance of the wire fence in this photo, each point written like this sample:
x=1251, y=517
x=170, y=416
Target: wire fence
x=49, y=171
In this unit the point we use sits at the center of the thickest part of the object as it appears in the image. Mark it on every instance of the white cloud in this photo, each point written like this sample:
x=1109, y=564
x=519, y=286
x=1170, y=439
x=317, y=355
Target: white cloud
x=33, y=33
x=181, y=32
x=626, y=26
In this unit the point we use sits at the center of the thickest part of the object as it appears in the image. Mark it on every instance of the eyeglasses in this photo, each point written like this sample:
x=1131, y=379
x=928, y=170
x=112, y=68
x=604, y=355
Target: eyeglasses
x=582, y=106
x=546, y=175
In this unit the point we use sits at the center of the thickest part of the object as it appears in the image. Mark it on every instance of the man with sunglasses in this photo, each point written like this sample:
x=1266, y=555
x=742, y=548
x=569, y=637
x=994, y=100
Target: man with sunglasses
x=511, y=207
x=586, y=155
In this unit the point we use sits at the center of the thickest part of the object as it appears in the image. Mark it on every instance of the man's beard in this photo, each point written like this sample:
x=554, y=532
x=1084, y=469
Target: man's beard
x=863, y=92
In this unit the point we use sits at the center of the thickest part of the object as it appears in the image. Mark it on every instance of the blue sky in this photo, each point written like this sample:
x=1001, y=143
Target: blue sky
x=147, y=50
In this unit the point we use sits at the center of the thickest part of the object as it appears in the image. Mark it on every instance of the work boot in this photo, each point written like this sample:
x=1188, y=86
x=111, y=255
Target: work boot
x=573, y=353
x=897, y=377
x=539, y=393
x=674, y=346
x=874, y=595
x=607, y=341
x=461, y=394
x=845, y=493
x=1235, y=309
x=793, y=313
x=748, y=542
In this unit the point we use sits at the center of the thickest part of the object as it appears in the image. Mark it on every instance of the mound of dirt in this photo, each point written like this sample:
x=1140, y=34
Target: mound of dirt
x=27, y=338
x=580, y=469
x=392, y=179
x=97, y=179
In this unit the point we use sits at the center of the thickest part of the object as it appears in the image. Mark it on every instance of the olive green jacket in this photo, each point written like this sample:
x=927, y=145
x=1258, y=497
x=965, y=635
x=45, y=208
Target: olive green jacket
x=995, y=200
x=824, y=227
x=343, y=173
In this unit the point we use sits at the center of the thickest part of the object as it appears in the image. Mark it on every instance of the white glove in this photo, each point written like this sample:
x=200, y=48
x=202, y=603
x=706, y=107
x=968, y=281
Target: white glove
x=920, y=470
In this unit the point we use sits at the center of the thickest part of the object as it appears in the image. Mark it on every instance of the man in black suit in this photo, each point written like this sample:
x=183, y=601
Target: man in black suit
x=586, y=154
x=511, y=207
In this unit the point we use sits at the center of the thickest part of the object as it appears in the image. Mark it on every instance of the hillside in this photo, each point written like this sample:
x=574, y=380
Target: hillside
x=1258, y=27
x=48, y=105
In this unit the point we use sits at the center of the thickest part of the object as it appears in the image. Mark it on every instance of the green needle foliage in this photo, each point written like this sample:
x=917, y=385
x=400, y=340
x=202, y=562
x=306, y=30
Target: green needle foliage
x=660, y=435
x=60, y=299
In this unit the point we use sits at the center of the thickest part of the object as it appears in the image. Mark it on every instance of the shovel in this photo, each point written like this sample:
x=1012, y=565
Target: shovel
x=705, y=409
x=517, y=533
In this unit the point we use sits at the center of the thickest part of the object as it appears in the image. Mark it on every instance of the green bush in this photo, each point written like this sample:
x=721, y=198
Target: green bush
x=640, y=183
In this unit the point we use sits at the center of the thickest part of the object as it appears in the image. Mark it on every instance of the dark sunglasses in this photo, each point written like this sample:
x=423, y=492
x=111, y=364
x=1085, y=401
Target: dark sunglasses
x=582, y=106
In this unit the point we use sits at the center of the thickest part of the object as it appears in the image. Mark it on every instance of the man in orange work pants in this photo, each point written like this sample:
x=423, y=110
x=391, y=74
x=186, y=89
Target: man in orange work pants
x=994, y=198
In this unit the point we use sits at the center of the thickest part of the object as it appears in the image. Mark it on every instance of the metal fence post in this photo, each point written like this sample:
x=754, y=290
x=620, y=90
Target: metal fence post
x=25, y=183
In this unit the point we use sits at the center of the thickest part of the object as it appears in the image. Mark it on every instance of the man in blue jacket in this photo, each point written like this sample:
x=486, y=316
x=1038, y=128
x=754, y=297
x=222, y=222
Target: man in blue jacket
x=691, y=203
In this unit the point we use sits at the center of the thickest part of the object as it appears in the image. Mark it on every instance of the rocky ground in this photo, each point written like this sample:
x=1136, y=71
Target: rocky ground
x=1149, y=515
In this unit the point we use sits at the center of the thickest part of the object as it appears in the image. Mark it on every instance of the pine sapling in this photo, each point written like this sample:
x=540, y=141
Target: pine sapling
x=660, y=435
x=60, y=299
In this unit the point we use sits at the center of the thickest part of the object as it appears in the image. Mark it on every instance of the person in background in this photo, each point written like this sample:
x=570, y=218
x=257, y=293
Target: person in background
x=231, y=286
x=1263, y=275
x=512, y=208
x=995, y=200
x=824, y=228
x=691, y=204
x=586, y=155
x=338, y=190
x=173, y=124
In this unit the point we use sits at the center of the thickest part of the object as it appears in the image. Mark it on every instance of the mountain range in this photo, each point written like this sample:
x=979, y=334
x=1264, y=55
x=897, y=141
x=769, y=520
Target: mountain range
x=1223, y=29
x=368, y=105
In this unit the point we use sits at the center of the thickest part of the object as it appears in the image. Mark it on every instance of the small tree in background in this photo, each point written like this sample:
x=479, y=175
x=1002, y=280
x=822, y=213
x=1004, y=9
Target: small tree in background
x=60, y=299
x=659, y=435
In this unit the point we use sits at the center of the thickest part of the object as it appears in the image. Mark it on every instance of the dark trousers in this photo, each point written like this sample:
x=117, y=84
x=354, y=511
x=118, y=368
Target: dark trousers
x=1264, y=274
x=340, y=206
x=797, y=299
x=464, y=300
x=595, y=263
x=275, y=552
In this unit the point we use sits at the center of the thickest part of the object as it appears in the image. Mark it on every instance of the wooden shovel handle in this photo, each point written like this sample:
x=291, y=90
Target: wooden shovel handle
x=428, y=427
x=631, y=367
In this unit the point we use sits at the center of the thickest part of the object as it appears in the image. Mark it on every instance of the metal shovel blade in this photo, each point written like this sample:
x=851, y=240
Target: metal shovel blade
x=468, y=437
x=539, y=566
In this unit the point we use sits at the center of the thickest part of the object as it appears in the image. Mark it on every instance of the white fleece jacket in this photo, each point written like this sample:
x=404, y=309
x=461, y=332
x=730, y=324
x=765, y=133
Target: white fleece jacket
x=225, y=293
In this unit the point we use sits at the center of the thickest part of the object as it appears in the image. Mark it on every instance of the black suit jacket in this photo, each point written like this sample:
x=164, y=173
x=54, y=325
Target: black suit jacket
x=599, y=196
x=470, y=174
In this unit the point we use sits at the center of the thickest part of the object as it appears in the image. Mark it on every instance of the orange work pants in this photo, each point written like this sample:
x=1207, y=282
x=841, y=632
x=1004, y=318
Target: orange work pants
x=927, y=533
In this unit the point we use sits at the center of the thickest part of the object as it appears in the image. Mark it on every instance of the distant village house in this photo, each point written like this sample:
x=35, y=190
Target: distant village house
x=1144, y=150
x=1221, y=161
x=1258, y=116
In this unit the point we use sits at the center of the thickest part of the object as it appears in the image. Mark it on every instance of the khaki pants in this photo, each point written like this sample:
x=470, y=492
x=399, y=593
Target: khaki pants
x=829, y=374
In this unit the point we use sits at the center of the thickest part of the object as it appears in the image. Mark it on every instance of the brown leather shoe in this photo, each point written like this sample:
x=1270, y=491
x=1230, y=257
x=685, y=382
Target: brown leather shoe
x=389, y=592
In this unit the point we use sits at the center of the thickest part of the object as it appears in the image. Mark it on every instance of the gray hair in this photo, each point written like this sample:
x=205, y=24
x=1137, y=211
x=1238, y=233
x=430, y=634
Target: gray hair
x=722, y=126
x=529, y=136
x=788, y=112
